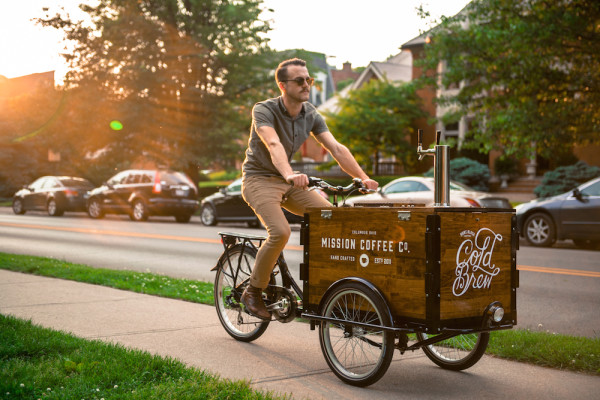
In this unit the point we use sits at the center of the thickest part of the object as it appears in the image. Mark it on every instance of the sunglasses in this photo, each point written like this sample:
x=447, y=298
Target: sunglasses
x=300, y=81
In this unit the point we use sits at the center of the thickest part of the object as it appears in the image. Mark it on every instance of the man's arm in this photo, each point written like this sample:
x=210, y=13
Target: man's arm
x=279, y=157
x=344, y=158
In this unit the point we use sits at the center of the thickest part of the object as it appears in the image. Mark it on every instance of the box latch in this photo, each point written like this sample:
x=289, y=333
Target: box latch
x=403, y=215
x=326, y=214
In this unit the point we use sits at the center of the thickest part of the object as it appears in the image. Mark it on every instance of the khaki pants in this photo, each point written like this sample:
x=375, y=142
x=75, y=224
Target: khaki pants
x=266, y=195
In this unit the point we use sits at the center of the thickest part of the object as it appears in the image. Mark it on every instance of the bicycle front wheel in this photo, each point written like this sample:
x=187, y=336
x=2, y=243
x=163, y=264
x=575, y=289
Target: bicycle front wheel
x=231, y=280
x=358, y=355
x=457, y=353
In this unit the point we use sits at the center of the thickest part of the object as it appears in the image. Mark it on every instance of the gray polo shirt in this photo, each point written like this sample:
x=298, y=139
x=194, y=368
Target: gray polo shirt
x=292, y=133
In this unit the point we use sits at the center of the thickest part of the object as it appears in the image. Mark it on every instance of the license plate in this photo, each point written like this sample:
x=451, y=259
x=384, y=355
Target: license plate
x=180, y=192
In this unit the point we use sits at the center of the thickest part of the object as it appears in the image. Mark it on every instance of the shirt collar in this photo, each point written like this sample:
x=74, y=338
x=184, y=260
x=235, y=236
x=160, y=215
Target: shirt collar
x=285, y=111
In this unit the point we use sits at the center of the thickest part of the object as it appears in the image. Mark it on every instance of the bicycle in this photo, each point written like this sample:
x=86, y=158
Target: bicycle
x=372, y=275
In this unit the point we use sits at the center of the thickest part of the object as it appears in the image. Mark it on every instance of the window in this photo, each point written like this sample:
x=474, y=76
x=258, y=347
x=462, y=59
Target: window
x=119, y=178
x=133, y=178
x=592, y=190
x=406, y=186
x=50, y=183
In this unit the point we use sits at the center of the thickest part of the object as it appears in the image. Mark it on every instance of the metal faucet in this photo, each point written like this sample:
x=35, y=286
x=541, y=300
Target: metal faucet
x=441, y=168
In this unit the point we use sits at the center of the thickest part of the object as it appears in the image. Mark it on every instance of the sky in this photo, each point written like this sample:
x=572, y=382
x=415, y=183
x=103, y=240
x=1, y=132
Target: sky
x=355, y=31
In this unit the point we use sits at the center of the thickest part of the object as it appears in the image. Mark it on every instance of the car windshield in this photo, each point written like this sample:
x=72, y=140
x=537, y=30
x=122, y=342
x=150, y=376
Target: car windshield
x=73, y=182
x=460, y=187
x=592, y=190
x=175, y=178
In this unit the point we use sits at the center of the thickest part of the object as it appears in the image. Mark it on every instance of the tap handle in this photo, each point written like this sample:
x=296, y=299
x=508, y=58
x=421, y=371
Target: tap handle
x=438, y=135
x=420, y=137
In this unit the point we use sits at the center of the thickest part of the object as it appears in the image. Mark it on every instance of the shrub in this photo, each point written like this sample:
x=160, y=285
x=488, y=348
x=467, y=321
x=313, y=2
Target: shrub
x=505, y=166
x=563, y=179
x=468, y=172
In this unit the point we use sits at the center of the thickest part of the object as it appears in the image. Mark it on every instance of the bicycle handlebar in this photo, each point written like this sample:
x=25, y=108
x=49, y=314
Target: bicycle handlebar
x=357, y=184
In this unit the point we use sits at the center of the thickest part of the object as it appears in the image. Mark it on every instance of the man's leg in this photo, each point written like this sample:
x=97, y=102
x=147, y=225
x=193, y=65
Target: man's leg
x=298, y=200
x=264, y=195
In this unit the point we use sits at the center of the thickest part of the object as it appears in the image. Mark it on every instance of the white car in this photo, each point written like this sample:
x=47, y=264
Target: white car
x=419, y=190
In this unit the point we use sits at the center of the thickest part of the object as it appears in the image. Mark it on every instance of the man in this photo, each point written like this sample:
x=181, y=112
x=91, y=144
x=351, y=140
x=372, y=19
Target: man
x=279, y=127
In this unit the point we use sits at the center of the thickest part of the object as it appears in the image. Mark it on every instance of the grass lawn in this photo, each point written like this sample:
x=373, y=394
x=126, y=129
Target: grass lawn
x=38, y=363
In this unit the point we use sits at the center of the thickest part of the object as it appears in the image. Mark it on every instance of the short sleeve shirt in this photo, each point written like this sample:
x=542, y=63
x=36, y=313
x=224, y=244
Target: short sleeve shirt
x=292, y=133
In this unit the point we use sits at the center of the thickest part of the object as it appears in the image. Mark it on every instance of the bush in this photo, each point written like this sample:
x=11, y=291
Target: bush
x=563, y=179
x=468, y=172
x=506, y=166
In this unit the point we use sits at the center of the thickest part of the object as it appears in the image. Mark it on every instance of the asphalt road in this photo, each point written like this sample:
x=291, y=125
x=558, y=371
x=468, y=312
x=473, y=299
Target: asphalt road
x=559, y=287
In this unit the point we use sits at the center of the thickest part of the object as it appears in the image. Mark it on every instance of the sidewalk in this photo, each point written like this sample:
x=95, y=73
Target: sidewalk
x=286, y=359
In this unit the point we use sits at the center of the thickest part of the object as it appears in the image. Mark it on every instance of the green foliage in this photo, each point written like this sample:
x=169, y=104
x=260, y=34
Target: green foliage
x=180, y=77
x=563, y=179
x=506, y=165
x=341, y=85
x=527, y=72
x=376, y=121
x=468, y=172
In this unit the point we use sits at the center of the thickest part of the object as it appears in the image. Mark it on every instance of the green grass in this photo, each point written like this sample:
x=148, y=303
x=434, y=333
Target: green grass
x=38, y=363
x=140, y=282
x=540, y=348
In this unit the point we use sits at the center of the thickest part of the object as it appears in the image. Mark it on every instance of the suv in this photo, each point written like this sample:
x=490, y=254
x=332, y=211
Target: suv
x=142, y=193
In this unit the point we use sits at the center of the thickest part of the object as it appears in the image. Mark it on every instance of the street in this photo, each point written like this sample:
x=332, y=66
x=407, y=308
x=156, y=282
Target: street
x=558, y=290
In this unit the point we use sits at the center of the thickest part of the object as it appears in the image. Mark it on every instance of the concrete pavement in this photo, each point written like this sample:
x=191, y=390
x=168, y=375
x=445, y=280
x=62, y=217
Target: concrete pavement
x=287, y=359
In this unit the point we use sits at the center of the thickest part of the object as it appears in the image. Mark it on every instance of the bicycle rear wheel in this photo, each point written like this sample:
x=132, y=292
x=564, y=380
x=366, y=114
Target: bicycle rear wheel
x=458, y=352
x=358, y=355
x=232, y=277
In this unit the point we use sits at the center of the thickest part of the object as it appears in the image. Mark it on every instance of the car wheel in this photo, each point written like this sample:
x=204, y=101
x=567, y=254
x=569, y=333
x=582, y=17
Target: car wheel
x=94, y=209
x=17, y=207
x=539, y=230
x=53, y=209
x=183, y=218
x=587, y=244
x=139, y=212
x=208, y=216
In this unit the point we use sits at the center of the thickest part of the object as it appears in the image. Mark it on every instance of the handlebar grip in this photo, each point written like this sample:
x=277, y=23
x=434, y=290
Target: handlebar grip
x=312, y=181
x=420, y=137
x=438, y=135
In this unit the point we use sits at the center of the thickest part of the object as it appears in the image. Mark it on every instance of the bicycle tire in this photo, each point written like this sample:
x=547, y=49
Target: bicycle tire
x=360, y=357
x=457, y=353
x=237, y=323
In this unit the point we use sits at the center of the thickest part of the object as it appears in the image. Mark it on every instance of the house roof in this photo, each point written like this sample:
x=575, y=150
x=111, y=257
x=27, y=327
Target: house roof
x=395, y=69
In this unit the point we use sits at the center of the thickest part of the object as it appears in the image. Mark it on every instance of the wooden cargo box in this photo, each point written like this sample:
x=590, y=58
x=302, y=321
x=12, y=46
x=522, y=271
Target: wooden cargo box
x=436, y=267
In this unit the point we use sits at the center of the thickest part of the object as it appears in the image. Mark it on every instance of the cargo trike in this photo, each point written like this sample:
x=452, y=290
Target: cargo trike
x=383, y=277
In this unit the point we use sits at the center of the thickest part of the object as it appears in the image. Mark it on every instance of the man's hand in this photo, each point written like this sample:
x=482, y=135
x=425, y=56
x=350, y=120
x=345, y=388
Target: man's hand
x=298, y=180
x=370, y=184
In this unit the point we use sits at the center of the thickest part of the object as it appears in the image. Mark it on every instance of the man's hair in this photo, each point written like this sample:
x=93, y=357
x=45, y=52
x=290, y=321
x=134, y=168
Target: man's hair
x=281, y=71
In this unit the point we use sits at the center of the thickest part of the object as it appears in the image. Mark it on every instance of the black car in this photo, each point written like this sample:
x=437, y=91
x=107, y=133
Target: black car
x=573, y=215
x=227, y=205
x=53, y=194
x=143, y=193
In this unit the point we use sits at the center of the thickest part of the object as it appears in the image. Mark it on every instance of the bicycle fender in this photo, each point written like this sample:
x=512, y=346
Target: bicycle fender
x=362, y=281
x=222, y=259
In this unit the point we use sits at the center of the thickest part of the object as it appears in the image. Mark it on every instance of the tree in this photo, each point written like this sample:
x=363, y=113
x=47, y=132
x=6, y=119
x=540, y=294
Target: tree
x=377, y=120
x=529, y=72
x=179, y=75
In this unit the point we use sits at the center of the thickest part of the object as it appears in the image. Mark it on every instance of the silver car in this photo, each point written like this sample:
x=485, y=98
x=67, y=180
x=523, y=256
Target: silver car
x=419, y=190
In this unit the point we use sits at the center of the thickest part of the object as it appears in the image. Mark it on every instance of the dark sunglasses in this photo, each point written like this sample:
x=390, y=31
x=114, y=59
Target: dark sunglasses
x=300, y=81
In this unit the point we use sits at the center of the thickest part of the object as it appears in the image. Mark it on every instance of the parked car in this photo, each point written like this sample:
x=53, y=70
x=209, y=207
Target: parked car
x=53, y=194
x=227, y=205
x=573, y=215
x=420, y=190
x=144, y=193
